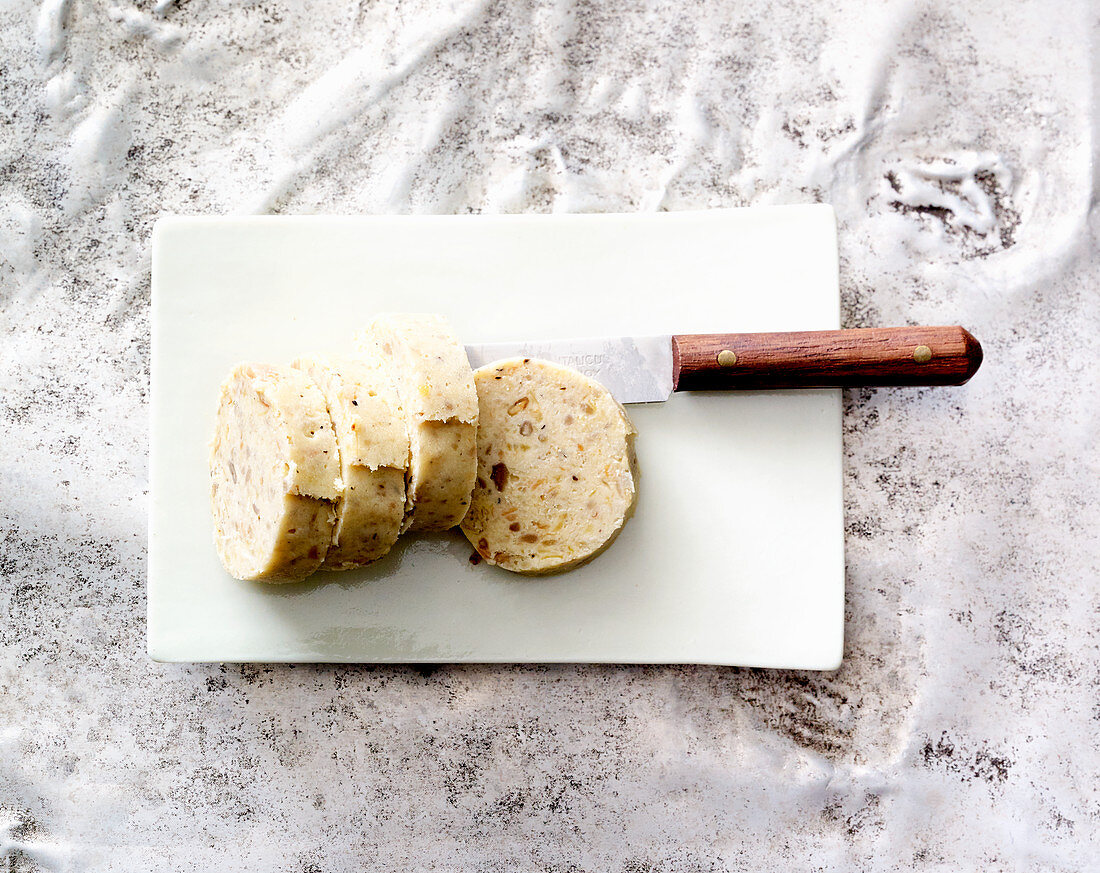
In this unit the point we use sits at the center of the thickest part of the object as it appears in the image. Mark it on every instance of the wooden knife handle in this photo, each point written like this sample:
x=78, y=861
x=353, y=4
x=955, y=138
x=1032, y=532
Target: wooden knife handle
x=825, y=358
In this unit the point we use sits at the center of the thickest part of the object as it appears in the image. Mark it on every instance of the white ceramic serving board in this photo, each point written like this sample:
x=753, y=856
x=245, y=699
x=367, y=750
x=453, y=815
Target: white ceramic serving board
x=735, y=553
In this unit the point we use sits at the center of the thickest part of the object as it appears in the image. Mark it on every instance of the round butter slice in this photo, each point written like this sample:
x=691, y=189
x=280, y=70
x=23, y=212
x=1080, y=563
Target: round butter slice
x=555, y=467
x=374, y=454
x=434, y=382
x=274, y=474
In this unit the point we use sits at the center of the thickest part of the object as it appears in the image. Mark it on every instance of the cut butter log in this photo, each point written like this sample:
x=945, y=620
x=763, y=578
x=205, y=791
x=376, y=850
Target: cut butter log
x=274, y=474
x=429, y=368
x=374, y=453
x=555, y=477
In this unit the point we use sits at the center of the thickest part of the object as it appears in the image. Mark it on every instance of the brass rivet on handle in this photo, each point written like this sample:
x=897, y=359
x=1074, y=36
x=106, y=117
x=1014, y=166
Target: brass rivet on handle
x=922, y=354
x=727, y=358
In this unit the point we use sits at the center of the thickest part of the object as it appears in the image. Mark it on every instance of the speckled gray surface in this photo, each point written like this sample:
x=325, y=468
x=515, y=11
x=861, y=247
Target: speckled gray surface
x=957, y=145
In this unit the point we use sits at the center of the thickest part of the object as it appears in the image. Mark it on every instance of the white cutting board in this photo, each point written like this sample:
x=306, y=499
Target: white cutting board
x=735, y=553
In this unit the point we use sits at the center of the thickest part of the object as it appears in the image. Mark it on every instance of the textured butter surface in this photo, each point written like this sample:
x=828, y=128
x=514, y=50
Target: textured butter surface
x=444, y=464
x=555, y=477
x=363, y=405
x=297, y=402
x=427, y=365
x=374, y=451
x=272, y=443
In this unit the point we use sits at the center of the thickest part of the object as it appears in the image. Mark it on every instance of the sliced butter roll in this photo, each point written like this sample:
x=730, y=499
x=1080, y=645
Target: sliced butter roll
x=555, y=479
x=274, y=474
x=374, y=453
x=434, y=382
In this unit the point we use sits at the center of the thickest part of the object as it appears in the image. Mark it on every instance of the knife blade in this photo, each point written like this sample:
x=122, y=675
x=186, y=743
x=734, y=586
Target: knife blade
x=648, y=369
x=635, y=369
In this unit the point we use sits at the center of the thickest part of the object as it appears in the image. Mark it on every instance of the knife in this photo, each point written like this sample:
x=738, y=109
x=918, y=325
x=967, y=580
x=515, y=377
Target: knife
x=647, y=369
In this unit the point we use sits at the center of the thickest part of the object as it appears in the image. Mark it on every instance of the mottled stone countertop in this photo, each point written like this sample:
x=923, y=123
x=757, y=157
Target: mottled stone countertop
x=957, y=143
